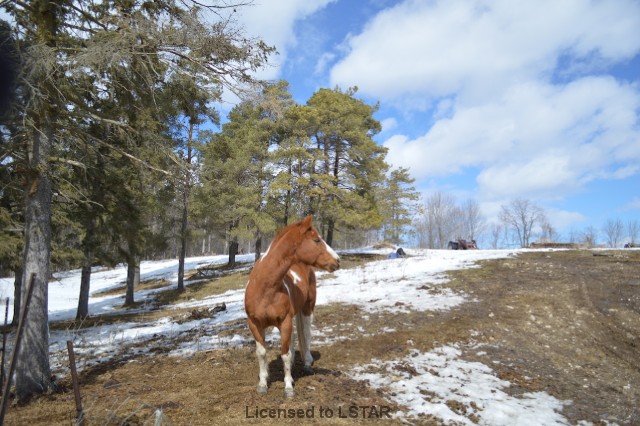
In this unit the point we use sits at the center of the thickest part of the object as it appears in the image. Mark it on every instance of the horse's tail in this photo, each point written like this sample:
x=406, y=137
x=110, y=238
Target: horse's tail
x=302, y=339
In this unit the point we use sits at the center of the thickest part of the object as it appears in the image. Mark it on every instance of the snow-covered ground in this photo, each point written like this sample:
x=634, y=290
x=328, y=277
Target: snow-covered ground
x=395, y=285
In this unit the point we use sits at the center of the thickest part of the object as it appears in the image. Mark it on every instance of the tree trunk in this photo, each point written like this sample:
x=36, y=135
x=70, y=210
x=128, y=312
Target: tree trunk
x=33, y=373
x=233, y=250
x=133, y=279
x=17, y=295
x=85, y=285
x=185, y=210
x=258, y=247
x=85, y=274
x=330, y=227
x=183, y=246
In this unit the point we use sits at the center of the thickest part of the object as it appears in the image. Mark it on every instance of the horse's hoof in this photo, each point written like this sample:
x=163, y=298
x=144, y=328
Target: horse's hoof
x=289, y=393
x=308, y=371
x=261, y=389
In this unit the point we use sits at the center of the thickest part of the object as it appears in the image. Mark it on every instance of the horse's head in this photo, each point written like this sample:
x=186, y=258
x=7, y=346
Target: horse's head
x=313, y=250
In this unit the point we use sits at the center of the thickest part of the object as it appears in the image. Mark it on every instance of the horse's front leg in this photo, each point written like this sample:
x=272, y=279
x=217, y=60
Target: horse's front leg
x=261, y=354
x=286, y=329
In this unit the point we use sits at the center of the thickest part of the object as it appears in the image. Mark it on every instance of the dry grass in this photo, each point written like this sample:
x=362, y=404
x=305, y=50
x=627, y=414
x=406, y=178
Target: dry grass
x=551, y=321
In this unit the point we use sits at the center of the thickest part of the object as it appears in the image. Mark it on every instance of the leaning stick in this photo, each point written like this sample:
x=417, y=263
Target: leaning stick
x=16, y=349
x=76, y=387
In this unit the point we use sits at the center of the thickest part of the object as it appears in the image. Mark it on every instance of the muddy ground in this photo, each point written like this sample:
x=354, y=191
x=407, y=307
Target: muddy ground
x=565, y=322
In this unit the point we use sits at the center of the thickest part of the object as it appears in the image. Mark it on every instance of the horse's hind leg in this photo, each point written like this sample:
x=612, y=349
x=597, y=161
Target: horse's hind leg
x=303, y=325
x=261, y=354
x=286, y=329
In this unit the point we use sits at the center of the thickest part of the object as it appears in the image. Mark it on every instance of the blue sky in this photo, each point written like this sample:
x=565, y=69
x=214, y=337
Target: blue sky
x=483, y=99
x=488, y=100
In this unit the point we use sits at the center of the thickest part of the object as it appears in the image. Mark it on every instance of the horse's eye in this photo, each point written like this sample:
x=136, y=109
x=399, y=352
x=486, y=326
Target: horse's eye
x=317, y=240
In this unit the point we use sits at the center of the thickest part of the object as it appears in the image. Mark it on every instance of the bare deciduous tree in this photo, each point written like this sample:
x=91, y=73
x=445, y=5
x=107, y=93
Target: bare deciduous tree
x=521, y=216
x=633, y=230
x=496, y=232
x=549, y=233
x=474, y=221
x=442, y=220
x=613, y=230
x=590, y=236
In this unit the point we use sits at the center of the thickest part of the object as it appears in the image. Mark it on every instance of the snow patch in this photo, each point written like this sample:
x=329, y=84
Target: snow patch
x=438, y=383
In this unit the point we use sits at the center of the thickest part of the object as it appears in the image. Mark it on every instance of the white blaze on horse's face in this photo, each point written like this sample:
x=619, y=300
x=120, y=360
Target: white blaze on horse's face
x=332, y=252
x=316, y=252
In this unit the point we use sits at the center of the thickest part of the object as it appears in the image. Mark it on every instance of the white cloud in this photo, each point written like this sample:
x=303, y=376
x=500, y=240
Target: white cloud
x=389, y=124
x=538, y=138
x=274, y=21
x=479, y=47
x=633, y=204
x=564, y=219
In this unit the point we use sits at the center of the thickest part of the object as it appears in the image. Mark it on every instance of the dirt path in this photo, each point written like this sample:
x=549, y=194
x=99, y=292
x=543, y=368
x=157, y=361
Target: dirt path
x=569, y=322
x=566, y=323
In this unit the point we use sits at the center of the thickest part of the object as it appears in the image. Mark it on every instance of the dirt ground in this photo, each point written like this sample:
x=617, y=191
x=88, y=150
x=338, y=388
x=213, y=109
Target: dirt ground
x=565, y=322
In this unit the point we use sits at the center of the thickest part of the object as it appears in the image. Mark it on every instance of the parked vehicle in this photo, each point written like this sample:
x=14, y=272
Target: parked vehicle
x=462, y=245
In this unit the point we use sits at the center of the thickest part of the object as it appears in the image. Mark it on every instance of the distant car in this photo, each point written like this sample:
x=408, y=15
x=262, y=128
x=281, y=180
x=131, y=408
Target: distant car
x=462, y=245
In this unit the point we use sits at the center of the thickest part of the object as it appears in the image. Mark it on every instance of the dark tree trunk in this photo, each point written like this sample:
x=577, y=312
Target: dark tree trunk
x=258, y=247
x=233, y=251
x=183, y=245
x=85, y=285
x=185, y=211
x=133, y=279
x=330, y=227
x=85, y=274
x=17, y=295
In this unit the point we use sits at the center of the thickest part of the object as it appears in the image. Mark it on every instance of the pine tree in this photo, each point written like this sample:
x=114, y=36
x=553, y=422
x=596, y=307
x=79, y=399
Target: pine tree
x=77, y=57
x=189, y=98
x=348, y=165
x=397, y=204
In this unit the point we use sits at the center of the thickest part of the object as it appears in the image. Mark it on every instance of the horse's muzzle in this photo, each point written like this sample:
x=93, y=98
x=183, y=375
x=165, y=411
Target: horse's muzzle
x=334, y=267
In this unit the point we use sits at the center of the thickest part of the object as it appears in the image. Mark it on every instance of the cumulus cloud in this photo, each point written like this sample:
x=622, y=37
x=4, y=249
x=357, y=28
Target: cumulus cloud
x=479, y=47
x=538, y=138
x=274, y=21
x=634, y=204
x=389, y=124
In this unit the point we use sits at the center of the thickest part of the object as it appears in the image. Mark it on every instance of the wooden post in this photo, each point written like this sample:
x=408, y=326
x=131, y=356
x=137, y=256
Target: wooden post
x=76, y=388
x=16, y=349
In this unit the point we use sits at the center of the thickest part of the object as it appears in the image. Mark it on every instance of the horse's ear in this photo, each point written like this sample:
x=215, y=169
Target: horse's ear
x=306, y=223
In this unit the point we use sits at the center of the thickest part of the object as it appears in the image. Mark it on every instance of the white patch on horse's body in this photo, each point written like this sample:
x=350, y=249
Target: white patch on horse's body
x=265, y=253
x=296, y=277
x=331, y=251
x=287, y=287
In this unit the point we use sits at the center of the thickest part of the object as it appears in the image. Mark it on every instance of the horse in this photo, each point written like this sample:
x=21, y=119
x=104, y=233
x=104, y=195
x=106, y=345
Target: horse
x=281, y=286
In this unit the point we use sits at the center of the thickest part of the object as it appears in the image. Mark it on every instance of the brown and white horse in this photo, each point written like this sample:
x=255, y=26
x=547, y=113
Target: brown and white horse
x=282, y=285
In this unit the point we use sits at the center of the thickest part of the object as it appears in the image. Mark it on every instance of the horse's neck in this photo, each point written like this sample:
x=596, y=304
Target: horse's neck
x=274, y=264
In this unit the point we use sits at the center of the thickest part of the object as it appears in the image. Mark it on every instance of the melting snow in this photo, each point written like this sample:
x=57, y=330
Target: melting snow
x=421, y=382
x=439, y=383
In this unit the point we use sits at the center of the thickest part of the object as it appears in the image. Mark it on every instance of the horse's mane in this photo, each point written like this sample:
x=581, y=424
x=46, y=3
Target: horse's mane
x=283, y=231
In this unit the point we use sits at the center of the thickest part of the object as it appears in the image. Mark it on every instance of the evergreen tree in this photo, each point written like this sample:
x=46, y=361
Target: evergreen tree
x=348, y=166
x=236, y=175
x=76, y=57
x=397, y=204
x=189, y=97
